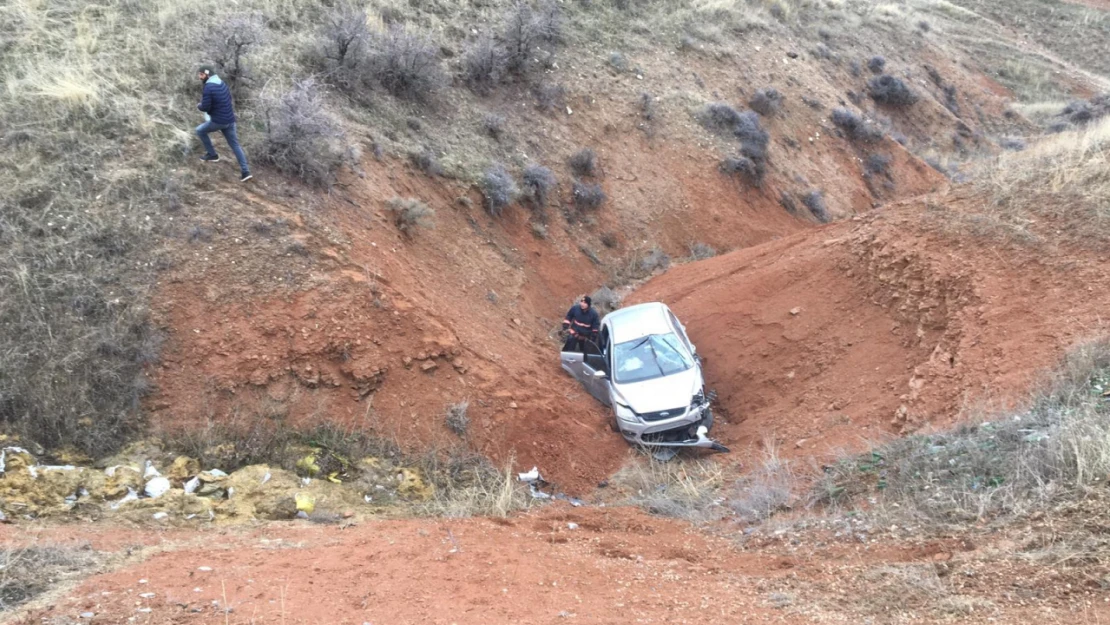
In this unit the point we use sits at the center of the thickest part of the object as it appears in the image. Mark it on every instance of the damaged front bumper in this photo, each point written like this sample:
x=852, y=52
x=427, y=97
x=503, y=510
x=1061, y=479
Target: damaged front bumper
x=689, y=430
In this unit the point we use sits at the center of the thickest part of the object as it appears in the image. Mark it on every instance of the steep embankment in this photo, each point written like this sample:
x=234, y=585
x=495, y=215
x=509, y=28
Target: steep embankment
x=903, y=319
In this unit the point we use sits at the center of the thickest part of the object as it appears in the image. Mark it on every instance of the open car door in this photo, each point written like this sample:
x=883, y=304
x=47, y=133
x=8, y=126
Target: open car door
x=586, y=369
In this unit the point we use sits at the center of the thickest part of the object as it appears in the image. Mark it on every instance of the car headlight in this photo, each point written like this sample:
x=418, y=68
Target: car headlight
x=624, y=413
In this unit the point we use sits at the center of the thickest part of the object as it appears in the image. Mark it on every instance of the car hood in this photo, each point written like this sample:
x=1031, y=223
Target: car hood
x=672, y=391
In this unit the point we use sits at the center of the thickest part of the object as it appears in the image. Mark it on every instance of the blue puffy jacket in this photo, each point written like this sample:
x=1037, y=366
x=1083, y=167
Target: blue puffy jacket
x=216, y=101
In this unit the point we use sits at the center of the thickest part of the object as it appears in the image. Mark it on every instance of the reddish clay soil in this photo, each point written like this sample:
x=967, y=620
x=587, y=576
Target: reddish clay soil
x=613, y=565
x=826, y=340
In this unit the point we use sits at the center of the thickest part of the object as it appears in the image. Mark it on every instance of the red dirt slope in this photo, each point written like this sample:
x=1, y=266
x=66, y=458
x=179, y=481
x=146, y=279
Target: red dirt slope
x=886, y=323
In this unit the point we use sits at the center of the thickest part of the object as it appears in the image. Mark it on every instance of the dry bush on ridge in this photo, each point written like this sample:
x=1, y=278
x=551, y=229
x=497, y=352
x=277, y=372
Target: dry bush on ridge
x=855, y=126
x=587, y=196
x=344, y=44
x=876, y=64
x=719, y=117
x=583, y=163
x=406, y=64
x=457, y=419
x=890, y=90
x=538, y=183
x=227, y=43
x=410, y=214
x=302, y=138
x=702, y=251
x=499, y=188
x=485, y=64
x=682, y=489
x=525, y=27
x=815, y=202
x=766, y=101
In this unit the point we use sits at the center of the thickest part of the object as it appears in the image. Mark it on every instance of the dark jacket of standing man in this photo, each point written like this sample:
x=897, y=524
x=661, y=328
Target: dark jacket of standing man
x=582, y=323
x=219, y=114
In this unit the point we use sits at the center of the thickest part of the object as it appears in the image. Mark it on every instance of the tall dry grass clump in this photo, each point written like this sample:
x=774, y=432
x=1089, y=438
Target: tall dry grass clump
x=1064, y=177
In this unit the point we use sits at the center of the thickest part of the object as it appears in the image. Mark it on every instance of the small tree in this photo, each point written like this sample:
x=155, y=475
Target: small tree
x=344, y=42
x=228, y=44
x=484, y=65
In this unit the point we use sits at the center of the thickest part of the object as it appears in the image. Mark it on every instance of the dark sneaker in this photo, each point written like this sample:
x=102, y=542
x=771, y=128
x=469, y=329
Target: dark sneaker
x=210, y=158
x=246, y=177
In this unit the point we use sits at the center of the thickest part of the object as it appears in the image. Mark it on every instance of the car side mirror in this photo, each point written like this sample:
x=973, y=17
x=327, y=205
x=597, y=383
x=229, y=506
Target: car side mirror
x=601, y=375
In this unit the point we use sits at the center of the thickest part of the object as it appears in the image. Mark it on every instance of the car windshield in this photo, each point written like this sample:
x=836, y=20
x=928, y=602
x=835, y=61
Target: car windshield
x=649, y=357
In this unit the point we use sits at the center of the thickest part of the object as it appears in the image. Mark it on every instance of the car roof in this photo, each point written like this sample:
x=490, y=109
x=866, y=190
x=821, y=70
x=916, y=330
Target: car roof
x=629, y=324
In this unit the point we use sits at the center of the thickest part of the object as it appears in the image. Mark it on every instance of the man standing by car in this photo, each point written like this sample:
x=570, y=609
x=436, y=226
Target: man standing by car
x=219, y=114
x=581, y=324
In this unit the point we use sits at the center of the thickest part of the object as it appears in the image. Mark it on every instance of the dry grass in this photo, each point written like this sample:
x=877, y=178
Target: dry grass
x=28, y=571
x=1061, y=177
x=468, y=485
x=1010, y=466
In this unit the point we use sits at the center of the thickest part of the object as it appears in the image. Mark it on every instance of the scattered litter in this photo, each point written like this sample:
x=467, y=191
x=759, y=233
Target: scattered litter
x=161, y=516
x=151, y=471
x=301, y=514
x=204, y=569
x=197, y=589
x=230, y=491
x=143, y=610
x=537, y=493
x=192, y=485
x=87, y=615
x=142, y=581
x=147, y=595
x=217, y=473
x=130, y=496
x=572, y=526
x=305, y=502
x=4, y=455
x=265, y=478
x=574, y=501
x=305, y=481
x=530, y=476
x=367, y=498
x=156, y=487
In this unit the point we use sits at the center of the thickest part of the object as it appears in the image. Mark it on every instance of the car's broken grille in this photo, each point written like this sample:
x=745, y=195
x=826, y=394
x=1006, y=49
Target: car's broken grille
x=663, y=414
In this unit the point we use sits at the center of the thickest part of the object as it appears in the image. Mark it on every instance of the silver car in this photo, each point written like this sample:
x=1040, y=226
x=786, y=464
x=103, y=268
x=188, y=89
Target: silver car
x=645, y=367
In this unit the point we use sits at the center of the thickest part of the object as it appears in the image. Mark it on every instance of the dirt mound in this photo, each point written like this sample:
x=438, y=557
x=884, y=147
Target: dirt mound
x=892, y=322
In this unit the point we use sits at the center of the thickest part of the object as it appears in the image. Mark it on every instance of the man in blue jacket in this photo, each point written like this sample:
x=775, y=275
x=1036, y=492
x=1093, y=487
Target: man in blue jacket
x=581, y=325
x=219, y=114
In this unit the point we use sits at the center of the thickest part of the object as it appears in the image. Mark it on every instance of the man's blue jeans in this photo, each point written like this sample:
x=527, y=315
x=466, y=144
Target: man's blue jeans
x=232, y=140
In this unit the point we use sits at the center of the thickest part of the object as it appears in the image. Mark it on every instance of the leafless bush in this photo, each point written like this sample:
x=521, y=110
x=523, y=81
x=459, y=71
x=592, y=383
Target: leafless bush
x=890, y=90
x=653, y=260
x=499, y=188
x=876, y=164
x=344, y=40
x=484, y=65
x=410, y=214
x=719, y=117
x=494, y=125
x=425, y=160
x=406, y=64
x=702, y=251
x=525, y=27
x=228, y=44
x=605, y=300
x=750, y=170
x=684, y=489
x=550, y=96
x=766, y=101
x=583, y=163
x=815, y=202
x=876, y=64
x=302, y=138
x=457, y=419
x=587, y=196
x=647, y=106
x=538, y=183
x=855, y=127
x=618, y=62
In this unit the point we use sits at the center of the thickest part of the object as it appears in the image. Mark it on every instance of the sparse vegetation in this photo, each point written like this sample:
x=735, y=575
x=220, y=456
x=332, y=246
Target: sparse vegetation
x=550, y=97
x=538, y=183
x=766, y=101
x=302, y=138
x=587, y=195
x=890, y=90
x=876, y=164
x=745, y=167
x=457, y=419
x=1004, y=466
x=27, y=572
x=410, y=214
x=484, y=65
x=720, y=118
x=654, y=260
x=702, y=251
x=583, y=163
x=876, y=64
x=425, y=160
x=494, y=125
x=344, y=45
x=815, y=202
x=856, y=127
x=499, y=188
x=525, y=28
x=605, y=300
x=406, y=64
x=229, y=43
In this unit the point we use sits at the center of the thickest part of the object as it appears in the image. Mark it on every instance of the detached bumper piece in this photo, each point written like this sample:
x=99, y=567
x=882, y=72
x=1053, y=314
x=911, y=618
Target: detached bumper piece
x=681, y=437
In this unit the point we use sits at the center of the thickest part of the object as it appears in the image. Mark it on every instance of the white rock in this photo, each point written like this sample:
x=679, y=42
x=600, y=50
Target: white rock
x=572, y=526
x=204, y=568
